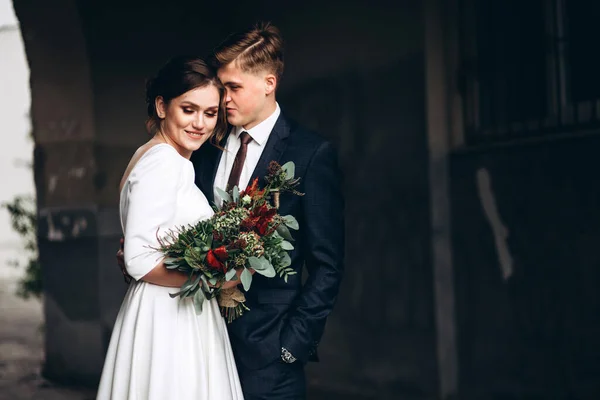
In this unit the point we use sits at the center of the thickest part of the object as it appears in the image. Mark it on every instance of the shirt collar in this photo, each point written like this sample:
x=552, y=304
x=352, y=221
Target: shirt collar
x=260, y=133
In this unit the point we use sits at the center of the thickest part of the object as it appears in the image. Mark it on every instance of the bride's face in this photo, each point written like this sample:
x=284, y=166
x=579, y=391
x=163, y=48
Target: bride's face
x=188, y=121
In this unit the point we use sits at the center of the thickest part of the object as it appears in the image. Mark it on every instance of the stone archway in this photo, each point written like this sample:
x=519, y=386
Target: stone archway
x=66, y=180
x=89, y=60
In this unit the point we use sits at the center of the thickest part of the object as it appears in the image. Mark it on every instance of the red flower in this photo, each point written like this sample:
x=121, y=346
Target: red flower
x=260, y=218
x=264, y=212
x=249, y=223
x=262, y=227
x=252, y=190
x=221, y=253
x=216, y=258
x=253, y=187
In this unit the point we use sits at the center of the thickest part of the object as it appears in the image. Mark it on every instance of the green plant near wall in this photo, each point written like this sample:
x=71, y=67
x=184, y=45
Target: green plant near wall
x=23, y=217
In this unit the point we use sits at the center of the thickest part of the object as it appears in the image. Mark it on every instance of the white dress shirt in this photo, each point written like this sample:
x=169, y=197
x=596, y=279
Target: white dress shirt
x=260, y=134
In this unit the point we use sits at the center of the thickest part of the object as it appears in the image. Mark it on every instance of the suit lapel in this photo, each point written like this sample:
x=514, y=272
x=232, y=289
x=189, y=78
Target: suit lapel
x=208, y=163
x=274, y=148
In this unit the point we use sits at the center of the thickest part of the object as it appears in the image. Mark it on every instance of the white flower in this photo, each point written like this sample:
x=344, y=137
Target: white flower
x=246, y=199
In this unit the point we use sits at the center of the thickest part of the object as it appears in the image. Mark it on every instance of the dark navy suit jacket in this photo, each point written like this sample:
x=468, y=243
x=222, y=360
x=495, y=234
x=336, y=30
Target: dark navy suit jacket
x=292, y=314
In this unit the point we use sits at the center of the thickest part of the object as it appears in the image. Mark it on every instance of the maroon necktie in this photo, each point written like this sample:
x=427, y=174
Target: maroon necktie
x=240, y=158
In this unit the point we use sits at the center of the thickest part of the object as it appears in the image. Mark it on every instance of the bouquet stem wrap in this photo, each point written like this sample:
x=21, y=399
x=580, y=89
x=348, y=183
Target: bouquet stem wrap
x=231, y=302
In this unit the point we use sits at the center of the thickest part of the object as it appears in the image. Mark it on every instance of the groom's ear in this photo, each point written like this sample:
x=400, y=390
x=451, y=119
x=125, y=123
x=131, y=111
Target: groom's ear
x=270, y=83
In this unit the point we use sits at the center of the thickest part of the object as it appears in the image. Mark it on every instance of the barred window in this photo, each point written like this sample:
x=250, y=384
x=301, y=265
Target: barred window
x=529, y=67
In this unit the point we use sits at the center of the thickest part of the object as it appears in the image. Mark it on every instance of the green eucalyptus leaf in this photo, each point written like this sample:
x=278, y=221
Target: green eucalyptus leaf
x=285, y=261
x=171, y=261
x=236, y=194
x=230, y=274
x=290, y=222
x=285, y=245
x=205, y=285
x=285, y=232
x=256, y=263
x=268, y=271
x=246, y=278
x=190, y=261
x=223, y=194
x=173, y=295
x=190, y=285
x=198, y=300
x=289, y=168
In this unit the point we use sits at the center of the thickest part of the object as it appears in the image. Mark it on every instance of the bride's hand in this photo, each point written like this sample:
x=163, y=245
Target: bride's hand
x=234, y=283
x=229, y=285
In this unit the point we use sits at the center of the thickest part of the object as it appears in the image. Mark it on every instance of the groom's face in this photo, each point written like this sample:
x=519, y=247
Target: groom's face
x=246, y=95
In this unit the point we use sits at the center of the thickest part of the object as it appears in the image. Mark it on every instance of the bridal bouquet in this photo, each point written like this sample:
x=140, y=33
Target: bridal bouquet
x=245, y=233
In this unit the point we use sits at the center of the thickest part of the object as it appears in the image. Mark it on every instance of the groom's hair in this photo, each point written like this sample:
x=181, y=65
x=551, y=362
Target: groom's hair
x=256, y=49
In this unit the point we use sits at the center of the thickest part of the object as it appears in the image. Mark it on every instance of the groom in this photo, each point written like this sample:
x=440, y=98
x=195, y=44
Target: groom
x=274, y=340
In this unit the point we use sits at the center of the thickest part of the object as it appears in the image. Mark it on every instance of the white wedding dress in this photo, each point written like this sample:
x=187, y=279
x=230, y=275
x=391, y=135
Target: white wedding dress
x=160, y=348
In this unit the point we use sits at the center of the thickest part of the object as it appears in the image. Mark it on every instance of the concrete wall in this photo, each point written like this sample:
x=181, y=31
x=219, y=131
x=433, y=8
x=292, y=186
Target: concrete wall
x=354, y=71
x=526, y=232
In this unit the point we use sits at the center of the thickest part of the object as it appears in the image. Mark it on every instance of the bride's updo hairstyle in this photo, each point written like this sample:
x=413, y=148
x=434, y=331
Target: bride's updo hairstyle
x=178, y=76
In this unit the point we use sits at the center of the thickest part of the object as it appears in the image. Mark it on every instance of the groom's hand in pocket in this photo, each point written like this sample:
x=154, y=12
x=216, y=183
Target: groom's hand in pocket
x=121, y=262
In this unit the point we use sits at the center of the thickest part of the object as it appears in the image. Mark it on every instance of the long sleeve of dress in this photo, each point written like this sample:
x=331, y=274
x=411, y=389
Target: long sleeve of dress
x=152, y=202
x=161, y=348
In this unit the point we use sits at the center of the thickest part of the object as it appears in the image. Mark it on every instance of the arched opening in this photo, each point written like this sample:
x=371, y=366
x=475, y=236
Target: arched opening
x=21, y=340
x=347, y=65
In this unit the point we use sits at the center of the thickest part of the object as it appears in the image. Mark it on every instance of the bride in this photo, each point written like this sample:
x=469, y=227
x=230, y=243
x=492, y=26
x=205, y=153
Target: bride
x=160, y=348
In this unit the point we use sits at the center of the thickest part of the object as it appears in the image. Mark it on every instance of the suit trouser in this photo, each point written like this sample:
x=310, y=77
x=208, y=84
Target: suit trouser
x=276, y=381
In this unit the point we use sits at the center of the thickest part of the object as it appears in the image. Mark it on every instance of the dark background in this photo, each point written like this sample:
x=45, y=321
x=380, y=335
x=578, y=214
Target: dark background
x=467, y=131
